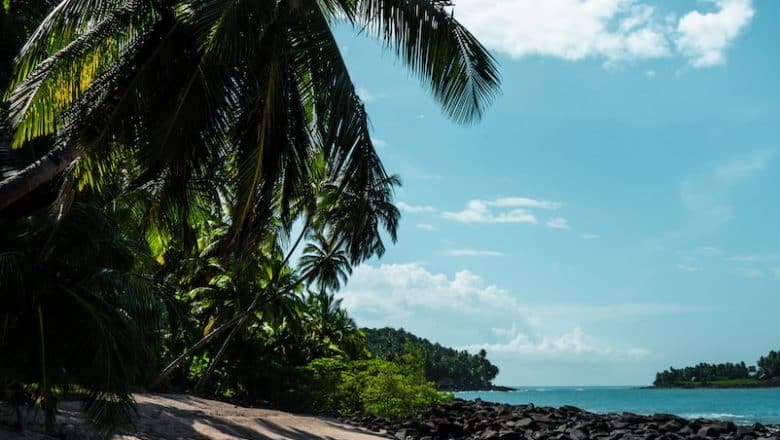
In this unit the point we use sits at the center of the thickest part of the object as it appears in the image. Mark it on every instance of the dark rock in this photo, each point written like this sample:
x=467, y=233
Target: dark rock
x=709, y=431
x=671, y=426
x=510, y=435
x=478, y=420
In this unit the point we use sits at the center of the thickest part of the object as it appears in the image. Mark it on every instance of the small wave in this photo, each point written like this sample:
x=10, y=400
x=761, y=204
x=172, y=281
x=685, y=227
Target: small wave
x=579, y=389
x=713, y=416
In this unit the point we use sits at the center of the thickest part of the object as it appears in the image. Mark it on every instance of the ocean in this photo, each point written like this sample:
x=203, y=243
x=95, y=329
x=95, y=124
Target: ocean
x=741, y=406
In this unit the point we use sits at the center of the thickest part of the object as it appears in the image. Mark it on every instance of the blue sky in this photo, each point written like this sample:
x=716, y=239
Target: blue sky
x=616, y=210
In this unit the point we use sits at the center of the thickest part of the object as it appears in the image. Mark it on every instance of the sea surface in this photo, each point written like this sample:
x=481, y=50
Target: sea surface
x=742, y=406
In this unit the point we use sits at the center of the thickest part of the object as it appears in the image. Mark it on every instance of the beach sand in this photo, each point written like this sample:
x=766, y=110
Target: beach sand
x=176, y=416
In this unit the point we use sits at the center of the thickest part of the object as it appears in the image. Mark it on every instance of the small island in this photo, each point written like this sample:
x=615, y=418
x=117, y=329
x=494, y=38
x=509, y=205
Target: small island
x=765, y=374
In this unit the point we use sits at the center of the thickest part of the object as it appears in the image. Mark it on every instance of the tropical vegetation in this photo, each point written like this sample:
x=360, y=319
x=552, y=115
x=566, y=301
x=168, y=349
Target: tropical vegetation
x=449, y=369
x=186, y=184
x=766, y=372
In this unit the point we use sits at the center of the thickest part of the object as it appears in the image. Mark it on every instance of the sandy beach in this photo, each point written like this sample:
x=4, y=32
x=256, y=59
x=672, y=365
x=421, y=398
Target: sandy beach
x=174, y=416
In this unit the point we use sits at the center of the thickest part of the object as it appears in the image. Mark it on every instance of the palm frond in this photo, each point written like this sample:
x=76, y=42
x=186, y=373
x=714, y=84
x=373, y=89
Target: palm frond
x=460, y=72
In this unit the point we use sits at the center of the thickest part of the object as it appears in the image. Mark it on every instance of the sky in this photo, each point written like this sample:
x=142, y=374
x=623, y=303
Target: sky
x=613, y=214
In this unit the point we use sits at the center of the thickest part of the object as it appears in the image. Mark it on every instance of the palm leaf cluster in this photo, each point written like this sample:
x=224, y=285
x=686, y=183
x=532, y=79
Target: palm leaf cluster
x=248, y=92
x=76, y=314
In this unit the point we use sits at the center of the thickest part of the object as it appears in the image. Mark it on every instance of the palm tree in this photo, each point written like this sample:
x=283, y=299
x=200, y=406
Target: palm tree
x=327, y=266
x=352, y=220
x=77, y=311
x=332, y=328
x=184, y=85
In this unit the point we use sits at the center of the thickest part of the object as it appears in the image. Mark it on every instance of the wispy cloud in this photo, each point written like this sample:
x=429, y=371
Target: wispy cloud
x=689, y=268
x=558, y=223
x=617, y=31
x=590, y=236
x=426, y=227
x=415, y=209
x=473, y=253
x=750, y=272
x=708, y=195
x=503, y=210
x=757, y=258
x=379, y=143
x=524, y=202
x=365, y=94
x=707, y=251
x=745, y=166
x=572, y=344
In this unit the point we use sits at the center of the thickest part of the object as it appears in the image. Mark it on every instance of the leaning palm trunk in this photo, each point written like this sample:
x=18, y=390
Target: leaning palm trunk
x=36, y=174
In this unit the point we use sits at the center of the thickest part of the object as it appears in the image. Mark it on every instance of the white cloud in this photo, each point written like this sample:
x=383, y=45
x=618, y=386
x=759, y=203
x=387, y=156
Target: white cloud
x=379, y=143
x=503, y=210
x=365, y=94
x=689, y=268
x=616, y=31
x=650, y=73
x=569, y=29
x=590, y=236
x=473, y=253
x=426, y=227
x=575, y=343
x=704, y=37
x=487, y=316
x=415, y=209
x=558, y=223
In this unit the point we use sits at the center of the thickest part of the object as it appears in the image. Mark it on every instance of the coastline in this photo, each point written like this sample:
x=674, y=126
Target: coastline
x=773, y=383
x=477, y=419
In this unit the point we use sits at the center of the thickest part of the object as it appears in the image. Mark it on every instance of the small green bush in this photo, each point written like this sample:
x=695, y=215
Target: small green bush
x=395, y=390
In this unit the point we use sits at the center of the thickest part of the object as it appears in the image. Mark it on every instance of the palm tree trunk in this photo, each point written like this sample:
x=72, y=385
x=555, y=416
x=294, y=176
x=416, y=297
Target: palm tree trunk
x=37, y=173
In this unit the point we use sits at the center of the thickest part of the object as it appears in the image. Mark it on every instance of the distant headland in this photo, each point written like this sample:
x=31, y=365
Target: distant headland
x=765, y=374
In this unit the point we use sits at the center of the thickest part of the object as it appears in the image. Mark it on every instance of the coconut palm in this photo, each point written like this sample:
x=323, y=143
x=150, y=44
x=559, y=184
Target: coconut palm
x=327, y=266
x=184, y=85
x=353, y=220
x=77, y=312
x=332, y=328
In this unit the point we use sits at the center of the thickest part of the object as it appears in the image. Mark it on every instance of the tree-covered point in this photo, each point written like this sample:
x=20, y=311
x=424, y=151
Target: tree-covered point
x=448, y=368
x=765, y=373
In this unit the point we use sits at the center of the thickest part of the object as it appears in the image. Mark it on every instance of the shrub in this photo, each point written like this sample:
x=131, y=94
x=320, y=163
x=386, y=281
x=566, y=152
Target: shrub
x=394, y=390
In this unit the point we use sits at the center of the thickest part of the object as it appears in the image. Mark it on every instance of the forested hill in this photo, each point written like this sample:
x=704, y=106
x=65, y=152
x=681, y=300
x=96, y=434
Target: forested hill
x=448, y=368
x=766, y=372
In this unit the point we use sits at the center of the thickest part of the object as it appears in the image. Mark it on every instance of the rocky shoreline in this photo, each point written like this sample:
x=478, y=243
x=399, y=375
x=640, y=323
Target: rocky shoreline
x=479, y=420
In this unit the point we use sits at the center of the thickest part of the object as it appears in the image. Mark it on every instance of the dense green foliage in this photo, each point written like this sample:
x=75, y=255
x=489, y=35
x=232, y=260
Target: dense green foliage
x=170, y=157
x=769, y=365
x=702, y=372
x=75, y=309
x=394, y=390
x=727, y=374
x=448, y=368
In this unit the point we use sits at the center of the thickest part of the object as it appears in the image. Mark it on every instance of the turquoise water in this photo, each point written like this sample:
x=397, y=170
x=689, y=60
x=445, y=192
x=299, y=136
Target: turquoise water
x=743, y=406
